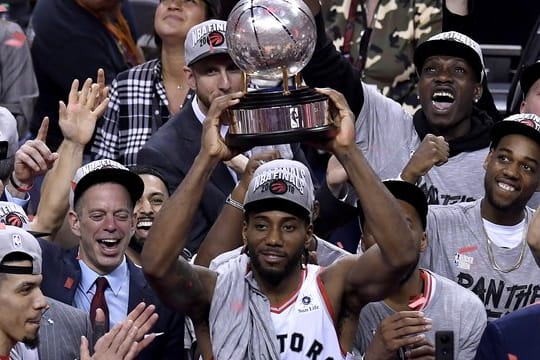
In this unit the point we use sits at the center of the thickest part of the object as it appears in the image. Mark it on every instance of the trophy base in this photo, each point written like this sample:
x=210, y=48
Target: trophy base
x=317, y=134
x=269, y=118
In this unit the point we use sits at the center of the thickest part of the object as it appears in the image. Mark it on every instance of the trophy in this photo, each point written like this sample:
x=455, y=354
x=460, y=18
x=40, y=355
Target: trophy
x=271, y=41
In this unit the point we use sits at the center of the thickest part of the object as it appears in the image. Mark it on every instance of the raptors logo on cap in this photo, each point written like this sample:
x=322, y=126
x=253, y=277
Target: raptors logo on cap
x=215, y=38
x=278, y=187
x=14, y=219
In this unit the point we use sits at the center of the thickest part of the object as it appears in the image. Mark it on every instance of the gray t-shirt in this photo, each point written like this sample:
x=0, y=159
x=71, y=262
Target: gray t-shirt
x=457, y=249
x=449, y=306
x=386, y=135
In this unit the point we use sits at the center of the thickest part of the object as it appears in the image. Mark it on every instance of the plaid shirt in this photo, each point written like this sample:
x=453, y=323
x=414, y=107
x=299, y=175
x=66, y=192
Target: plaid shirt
x=138, y=106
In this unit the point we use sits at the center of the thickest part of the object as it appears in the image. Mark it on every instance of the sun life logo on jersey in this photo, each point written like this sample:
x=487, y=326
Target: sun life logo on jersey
x=307, y=304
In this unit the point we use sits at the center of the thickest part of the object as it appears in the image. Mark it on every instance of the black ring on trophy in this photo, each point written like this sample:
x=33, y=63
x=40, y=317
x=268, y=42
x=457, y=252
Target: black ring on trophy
x=268, y=118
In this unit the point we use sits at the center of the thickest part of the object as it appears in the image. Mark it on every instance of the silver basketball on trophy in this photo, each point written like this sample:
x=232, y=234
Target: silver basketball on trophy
x=271, y=41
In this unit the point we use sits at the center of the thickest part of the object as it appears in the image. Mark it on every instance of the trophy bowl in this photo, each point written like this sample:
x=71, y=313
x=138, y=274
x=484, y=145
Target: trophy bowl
x=271, y=41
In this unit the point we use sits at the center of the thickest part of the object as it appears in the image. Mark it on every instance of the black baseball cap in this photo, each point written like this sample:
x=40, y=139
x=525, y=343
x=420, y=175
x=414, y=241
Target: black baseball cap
x=103, y=171
x=409, y=193
x=451, y=43
x=521, y=124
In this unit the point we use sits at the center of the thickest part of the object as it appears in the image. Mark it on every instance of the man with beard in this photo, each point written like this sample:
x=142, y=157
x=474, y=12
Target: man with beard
x=210, y=72
x=270, y=304
x=442, y=146
x=22, y=301
x=146, y=208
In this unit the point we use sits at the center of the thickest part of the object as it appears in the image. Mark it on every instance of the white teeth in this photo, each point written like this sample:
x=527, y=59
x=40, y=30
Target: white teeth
x=444, y=93
x=109, y=241
x=506, y=187
x=145, y=223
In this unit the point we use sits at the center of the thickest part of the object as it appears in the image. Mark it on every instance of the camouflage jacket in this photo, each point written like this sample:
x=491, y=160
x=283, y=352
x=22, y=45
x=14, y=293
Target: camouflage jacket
x=398, y=27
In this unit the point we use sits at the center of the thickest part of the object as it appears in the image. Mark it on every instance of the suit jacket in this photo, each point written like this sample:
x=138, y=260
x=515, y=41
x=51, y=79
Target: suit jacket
x=61, y=276
x=171, y=151
x=517, y=334
x=59, y=334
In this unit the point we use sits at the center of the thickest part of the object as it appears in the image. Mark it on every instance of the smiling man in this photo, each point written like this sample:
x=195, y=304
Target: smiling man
x=102, y=198
x=441, y=147
x=268, y=303
x=22, y=301
x=482, y=245
x=146, y=208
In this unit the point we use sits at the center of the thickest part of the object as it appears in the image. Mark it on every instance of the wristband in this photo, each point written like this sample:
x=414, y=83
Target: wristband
x=229, y=200
x=18, y=187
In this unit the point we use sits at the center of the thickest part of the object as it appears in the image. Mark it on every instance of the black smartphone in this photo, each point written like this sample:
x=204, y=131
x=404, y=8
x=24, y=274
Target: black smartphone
x=444, y=345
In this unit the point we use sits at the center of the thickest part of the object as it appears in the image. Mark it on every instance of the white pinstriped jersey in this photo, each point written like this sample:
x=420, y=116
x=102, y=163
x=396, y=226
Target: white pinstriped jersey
x=304, y=324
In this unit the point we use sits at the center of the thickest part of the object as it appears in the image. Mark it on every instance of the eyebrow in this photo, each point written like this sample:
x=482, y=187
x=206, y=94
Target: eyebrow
x=527, y=158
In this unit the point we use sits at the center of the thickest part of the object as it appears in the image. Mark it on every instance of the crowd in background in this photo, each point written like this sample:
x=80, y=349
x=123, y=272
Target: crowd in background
x=129, y=227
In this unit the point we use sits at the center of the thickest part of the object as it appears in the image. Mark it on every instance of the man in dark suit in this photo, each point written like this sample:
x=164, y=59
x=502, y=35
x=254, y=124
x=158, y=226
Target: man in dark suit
x=101, y=200
x=210, y=72
x=513, y=336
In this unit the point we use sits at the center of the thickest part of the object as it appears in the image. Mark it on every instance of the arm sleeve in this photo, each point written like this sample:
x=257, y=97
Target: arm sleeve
x=474, y=320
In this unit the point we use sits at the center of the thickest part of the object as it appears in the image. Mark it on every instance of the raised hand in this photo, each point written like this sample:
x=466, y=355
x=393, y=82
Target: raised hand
x=103, y=90
x=402, y=330
x=212, y=143
x=78, y=119
x=254, y=162
x=343, y=117
x=117, y=344
x=33, y=158
x=144, y=318
x=433, y=151
x=126, y=339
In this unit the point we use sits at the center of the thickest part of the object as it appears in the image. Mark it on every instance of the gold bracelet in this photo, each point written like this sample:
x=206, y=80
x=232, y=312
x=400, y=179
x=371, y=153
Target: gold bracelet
x=229, y=200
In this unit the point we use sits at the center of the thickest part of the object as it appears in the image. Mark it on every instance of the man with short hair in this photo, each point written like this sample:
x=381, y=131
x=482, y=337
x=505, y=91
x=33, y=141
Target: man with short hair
x=268, y=303
x=22, y=301
x=443, y=144
x=210, y=72
x=101, y=200
x=146, y=208
x=482, y=245
x=390, y=327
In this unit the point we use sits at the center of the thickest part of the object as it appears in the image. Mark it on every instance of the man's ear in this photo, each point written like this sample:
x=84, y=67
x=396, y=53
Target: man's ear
x=488, y=159
x=477, y=92
x=190, y=78
x=423, y=242
x=309, y=236
x=74, y=223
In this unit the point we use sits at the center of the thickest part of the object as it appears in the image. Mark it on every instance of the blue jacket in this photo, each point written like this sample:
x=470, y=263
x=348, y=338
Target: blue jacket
x=517, y=334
